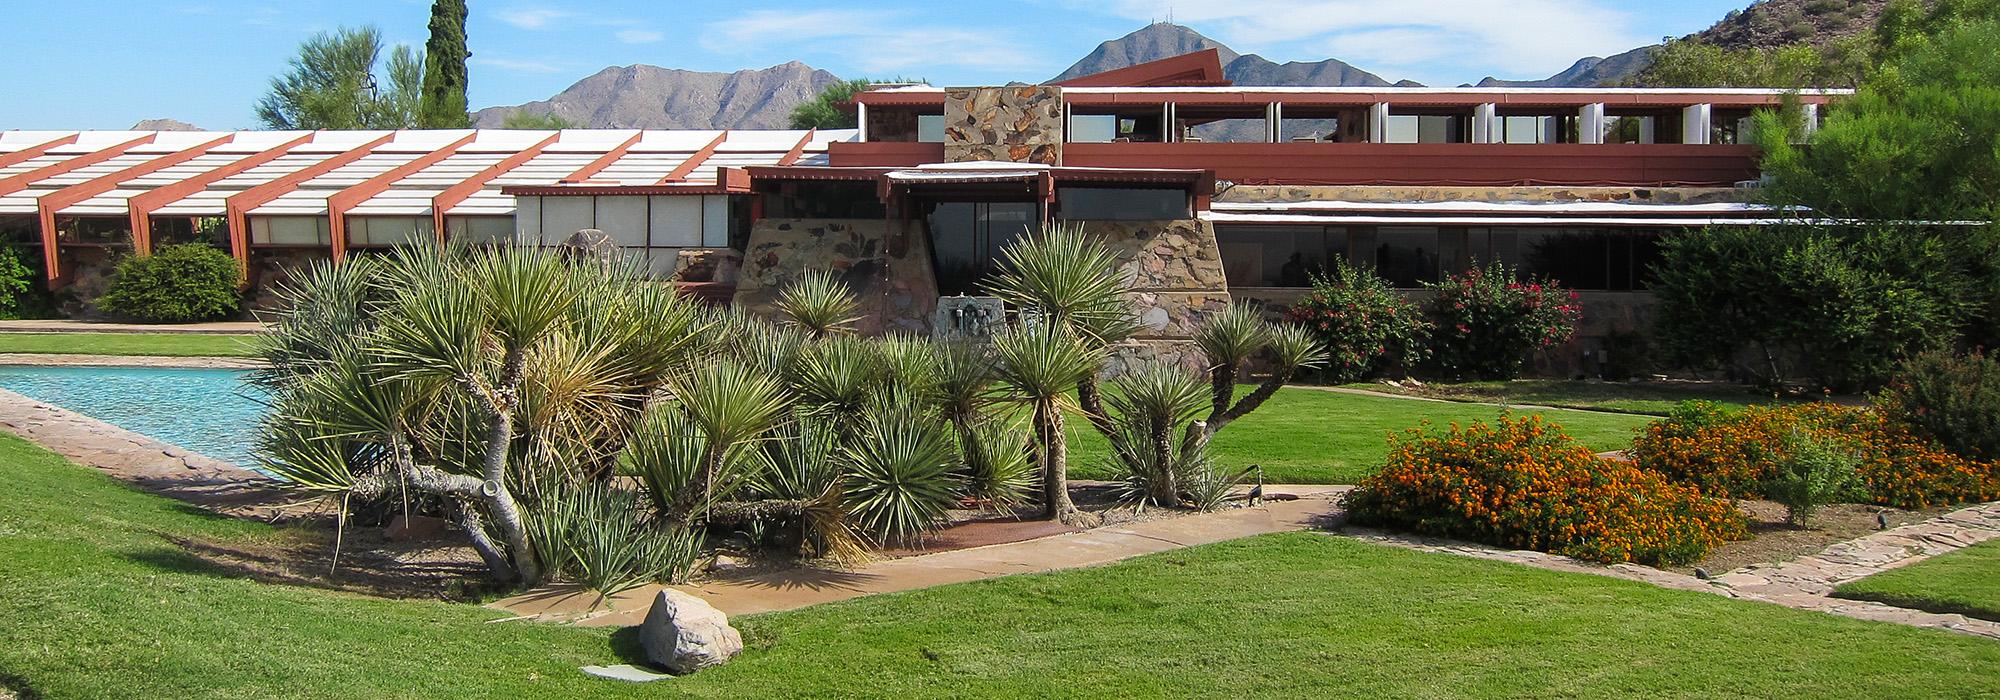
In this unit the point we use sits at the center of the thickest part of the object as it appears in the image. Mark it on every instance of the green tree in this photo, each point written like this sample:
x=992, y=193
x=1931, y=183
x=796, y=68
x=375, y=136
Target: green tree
x=332, y=84
x=824, y=112
x=1840, y=63
x=443, y=104
x=545, y=120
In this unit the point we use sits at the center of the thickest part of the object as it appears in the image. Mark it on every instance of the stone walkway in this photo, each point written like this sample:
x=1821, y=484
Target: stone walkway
x=756, y=592
x=142, y=461
x=1806, y=583
x=74, y=326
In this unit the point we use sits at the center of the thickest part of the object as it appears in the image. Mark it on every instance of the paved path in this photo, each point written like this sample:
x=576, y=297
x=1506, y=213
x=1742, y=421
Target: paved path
x=795, y=588
x=74, y=326
x=146, y=463
x=1805, y=583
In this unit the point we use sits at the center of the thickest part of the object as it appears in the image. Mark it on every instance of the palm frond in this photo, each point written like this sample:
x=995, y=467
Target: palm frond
x=820, y=304
x=1063, y=275
x=899, y=473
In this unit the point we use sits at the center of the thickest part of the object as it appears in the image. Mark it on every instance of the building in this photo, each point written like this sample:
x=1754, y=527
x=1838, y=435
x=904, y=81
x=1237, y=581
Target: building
x=1211, y=192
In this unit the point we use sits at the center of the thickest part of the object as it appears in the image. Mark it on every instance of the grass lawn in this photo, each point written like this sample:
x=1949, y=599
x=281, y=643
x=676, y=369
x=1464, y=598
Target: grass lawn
x=163, y=344
x=1308, y=436
x=100, y=604
x=1966, y=582
x=1646, y=397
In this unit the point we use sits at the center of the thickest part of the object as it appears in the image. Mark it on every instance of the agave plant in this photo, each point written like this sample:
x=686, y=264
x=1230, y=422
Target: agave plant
x=820, y=304
x=1040, y=364
x=900, y=480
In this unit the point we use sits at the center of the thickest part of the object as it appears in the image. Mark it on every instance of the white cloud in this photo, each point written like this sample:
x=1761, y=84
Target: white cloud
x=640, y=36
x=875, y=42
x=1521, y=38
x=531, y=17
x=518, y=65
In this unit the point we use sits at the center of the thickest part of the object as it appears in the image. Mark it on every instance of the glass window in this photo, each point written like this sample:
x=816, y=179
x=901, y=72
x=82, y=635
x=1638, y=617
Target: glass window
x=481, y=230
x=715, y=211
x=562, y=217
x=677, y=222
x=1407, y=256
x=289, y=230
x=93, y=230
x=1093, y=128
x=1279, y=256
x=930, y=128
x=387, y=231
x=823, y=200
x=1121, y=204
x=967, y=239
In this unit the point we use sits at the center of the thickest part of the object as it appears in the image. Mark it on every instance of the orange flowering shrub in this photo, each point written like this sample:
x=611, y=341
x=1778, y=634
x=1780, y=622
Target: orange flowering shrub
x=1732, y=454
x=1524, y=483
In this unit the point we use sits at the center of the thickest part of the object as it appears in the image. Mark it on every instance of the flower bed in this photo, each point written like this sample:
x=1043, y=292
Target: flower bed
x=1732, y=454
x=1525, y=483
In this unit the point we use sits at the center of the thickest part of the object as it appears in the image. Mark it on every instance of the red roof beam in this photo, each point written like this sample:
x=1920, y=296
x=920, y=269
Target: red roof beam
x=48, y=205
x=694, y=160
x=141, y=207
x=798, y=149
x=338, y=204
x=460, y=192
x=51, y=256
x=239, y=205
x=35, y=151
x=604, y=161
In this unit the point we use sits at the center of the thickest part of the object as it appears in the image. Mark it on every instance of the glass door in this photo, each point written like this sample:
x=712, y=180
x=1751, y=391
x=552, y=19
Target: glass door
x=967, y=239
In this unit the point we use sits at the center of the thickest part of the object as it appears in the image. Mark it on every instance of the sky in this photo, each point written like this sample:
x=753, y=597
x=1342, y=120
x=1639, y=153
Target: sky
x=105, y=64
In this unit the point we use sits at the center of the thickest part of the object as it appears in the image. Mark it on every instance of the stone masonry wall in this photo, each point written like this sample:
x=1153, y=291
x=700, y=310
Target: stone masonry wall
x=1176, y=269
x=1016, y=124
x=886, y=263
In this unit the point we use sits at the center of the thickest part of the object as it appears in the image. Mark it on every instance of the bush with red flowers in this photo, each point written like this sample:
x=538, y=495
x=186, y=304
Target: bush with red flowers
x=1524, y=483
x=1487, y=323
x=1367, y=328
x=1735, y=454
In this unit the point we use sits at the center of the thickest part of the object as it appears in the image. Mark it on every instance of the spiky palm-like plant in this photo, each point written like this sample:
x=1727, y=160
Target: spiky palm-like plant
x=999, y=462
x=820, y=304
x=1148, y=406
x=1040, y=364
x=899, y=471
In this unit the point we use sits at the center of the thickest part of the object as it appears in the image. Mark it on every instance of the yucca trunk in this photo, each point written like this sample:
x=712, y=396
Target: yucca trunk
x=499, y=499
x=1164, y=489
x=1056, y=504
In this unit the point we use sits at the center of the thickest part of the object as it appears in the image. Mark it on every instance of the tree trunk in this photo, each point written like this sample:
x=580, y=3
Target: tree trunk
x=1222, y=384
x=1165, y=487
x=475, y=530
x=499, y=499
x=1055, y=470
x=1249, y=403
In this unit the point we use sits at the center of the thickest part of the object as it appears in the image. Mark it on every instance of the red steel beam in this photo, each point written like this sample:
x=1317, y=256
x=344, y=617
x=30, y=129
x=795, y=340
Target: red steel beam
x=49, y=204
x=340, y=202
x=604, y=161
x=143, y=205
x=35, y=151
x=798, y=150
x=694, y=160
x=239, y=205
x=455, y=194
x=22, y=180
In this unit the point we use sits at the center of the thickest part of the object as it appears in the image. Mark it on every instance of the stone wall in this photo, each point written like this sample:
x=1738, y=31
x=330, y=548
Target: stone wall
x=1175, y=267
x=1393, y=193
x=272, y=267
x=88, y=270
x=1021, y=124
x=886, y=263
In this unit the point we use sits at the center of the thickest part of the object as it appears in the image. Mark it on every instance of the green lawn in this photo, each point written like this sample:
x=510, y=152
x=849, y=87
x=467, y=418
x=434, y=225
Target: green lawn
x=1652, y=398
x=163, y=344
x=1966, y=581
x=1308, y=436
x=99, y=604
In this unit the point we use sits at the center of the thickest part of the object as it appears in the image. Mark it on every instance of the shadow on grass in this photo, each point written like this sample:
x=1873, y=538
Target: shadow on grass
x=626, y=644
x=277, y=563
x=1937, y=607
x=17, y=688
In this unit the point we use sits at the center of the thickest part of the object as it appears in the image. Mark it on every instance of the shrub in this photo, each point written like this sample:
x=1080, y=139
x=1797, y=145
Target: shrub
x=1366, y=326
x=1814, y=472
x=1525, y=483
x=178, y=284
x=1487, y=322
x=1737, y=454
x=1954, y=399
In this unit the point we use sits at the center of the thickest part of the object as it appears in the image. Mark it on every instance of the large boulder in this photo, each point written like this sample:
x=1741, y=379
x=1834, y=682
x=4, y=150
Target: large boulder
x=684, y=634
x=591, y=245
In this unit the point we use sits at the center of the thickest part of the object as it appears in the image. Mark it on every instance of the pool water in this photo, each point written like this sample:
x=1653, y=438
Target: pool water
x=211, y=411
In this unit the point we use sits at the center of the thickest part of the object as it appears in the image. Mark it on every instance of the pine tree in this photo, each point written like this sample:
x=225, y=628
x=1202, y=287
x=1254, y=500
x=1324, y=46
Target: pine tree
x=443, y=105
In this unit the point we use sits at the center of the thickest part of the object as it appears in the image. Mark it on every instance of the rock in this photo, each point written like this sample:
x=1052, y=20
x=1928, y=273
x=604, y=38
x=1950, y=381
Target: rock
x=724, y=562
x=415, y=527
x=591, y=244
x=684, y=634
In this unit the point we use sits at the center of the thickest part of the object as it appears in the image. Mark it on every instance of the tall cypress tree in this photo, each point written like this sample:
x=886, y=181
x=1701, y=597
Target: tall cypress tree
x=443, y=105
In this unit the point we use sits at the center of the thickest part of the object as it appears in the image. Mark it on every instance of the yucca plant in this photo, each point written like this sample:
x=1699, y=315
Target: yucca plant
x=1040, y=364
x=899, y=479
x=800, y=468
x=1149, y=406
x=1061, y=275
x=999, y=463
x=820, y=304
x=835, y=376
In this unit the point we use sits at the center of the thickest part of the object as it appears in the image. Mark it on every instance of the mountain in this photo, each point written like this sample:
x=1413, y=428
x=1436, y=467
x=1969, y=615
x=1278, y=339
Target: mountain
x=1165, y=40
x=651, y=97
x=165, y=125
x=1589, y=72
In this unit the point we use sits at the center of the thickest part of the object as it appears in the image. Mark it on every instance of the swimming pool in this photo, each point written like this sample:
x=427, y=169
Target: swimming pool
x=211, y=411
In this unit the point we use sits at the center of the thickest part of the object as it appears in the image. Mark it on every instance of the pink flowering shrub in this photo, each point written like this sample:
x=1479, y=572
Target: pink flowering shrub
x=1366, y=326
x=1488, y=323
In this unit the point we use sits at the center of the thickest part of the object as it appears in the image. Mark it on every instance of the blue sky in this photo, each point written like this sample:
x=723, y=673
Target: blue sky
x=104, y=64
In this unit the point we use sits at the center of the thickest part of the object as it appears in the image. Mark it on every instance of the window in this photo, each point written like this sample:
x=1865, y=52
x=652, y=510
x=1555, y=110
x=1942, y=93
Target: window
x=481, y=230
x=807, y=199
x=1279, y=256
x=1093, y=128
x=930, y=128
x=1427, y=128
x=967, y=239
x=94, y=230
x=388, y=231
x=1121, y=204
x=290, y=231
x=1579, y=258
x=20, y=229
x=653, y=228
